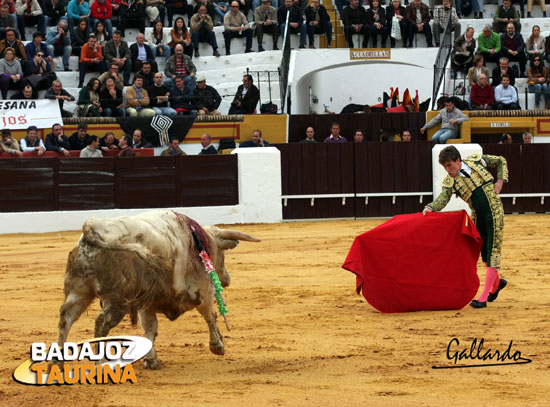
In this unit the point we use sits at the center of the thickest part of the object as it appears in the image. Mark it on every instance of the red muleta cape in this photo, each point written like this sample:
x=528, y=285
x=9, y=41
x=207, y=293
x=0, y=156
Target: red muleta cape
x=417, y=263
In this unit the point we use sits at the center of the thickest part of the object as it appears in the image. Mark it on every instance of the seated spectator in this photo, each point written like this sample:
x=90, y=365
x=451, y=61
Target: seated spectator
x=295, y=20
x=206, y=98
x=32, y=48
x=535, y=43
x=32, y=143
x=221, y=8
x=79, y=36
x=181, y=98
x=10, y=72
x=236, y=26
x=257, y=140
x=40, y=76
x=114, y=75
x=397, y=10
x=265, y=21
x=102, y=11
x=506, y=96
x=11, y=41
x=202, y=30
x=376, y=19
x=441, y=15
x=53, y=10
x=513, y=47
x=527, y=137
x=482, y=96
x=335, y=136
x=111, y=99
x=78, y=11
x=91, y=59
x=174, y=7
x=158, y=41
x=147, y=73
x=358, y=136
x=406, y=136
x=92, y=149
x=274, y=3
x=125, y=147
x=137, y=140
x=450, y=118
x=463, y=52
x=27, y=93
x=159, y=95
x=9, y=145
x=116, y=52
x=108, y=142
x=102, y=36
x=142, y=52
x=173, y=150
x=180, y=36
x=88, y=100
x=29, y=14
x=246, y=98
x=7, y=21
x=131, y=12
x=503, y=68
x=57, y=92
x=505, y=14
x=180, y=64
x=542, y=4
x=310, y=136
x=80, y=138
x=354, y=18
x=137, y=99
x=155, y=10
x=489, y=44
x=505, y=139
x=537, y=77
x=418, y=15
x=57, y=141
x=207, y=146
x=318, y=22
x=58, y=41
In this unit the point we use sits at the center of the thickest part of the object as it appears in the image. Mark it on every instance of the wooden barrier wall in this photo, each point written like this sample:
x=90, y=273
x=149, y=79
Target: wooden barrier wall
x=50, y=184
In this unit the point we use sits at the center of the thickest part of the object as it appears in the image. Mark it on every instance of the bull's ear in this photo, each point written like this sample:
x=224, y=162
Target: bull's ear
x=225, y=244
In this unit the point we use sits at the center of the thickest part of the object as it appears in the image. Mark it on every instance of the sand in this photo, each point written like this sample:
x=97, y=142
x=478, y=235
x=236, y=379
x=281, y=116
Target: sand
x=301, y=336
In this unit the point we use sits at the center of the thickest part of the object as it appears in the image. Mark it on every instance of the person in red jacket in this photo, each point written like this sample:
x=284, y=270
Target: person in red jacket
x=482, y=96
x=102, y=10
x=91, y=59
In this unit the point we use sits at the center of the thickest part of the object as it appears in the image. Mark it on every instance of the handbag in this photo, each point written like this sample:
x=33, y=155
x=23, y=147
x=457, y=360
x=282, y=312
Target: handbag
x=395, y=28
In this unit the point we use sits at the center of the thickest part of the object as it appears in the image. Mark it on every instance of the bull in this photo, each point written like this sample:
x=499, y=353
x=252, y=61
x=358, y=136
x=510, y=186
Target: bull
x=142, y=266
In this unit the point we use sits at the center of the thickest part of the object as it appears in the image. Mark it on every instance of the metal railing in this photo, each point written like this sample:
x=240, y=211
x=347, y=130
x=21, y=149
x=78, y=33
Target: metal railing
x=285, y=66
x=441, y=61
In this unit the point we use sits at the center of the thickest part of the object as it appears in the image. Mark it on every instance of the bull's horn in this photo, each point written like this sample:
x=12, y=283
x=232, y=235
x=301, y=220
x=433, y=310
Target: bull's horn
x=233, y=234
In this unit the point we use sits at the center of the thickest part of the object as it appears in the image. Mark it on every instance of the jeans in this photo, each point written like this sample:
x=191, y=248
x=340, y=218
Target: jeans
x=167, y=52
x=67, y=49
x=229, y=35
x=120, y=112
x=538, y=89
x=188, y=82
x=85, y=68
x=209, y=37
x=23, y=22
x=301, y=29
x=166, y=111
x=327, y=29
x=441, y=136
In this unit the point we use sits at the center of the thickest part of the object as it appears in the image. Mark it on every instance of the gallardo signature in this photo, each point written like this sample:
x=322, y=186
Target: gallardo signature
x=476, y=352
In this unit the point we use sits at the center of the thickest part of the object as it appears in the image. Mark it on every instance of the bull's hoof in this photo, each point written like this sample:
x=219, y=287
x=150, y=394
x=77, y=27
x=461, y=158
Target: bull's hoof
x=217, y=349
x=153, y=364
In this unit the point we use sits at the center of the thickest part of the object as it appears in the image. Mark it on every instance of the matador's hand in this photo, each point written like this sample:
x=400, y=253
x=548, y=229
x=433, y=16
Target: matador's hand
x=498, y=186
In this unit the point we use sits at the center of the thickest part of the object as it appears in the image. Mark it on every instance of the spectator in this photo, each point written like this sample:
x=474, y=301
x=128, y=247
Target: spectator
x=295, y=20
x=318, y=22
x=35, y=46
x=29, y=14
x=395, y=9
x=9, y=144
x=57, y=141
x=57, y=92
x=92, y=150
x=108, y=142
x=155, y=10
x=137, y=99
x=245, y=6
x=535, y=43
x=246, y=98
x=117, y=52
x=27, y=93
x=265, y=21
x=40, y=76
x=505, y=14
x=537, y=77
x=450, y=118
x=376, y=19
x=173, y=150
x=210, y=9
x=91, y=59
x=335, y=136
x=358, y=136
x=530, y=7
x=58, y=41
x=220, y=8
x=159, y=95
x=53, y=10
x=102, y=11
x=79, y=36
x=207, y=146
x=158, y=41
x=125, y=147
x=206, y=98
x=236, y=26
x=102, y=36
x=32, y=143
x=78, y=11
x=482, y=96
x=310, y=136
x=506, y=96
x=180, y=64
x=7, y=21
x=354, y=18
x=513, y=47
x=489, y=44
x=181, y=98
x=147, y=73
x=502, y=69
x=10, y=72
x=441, y=15
x=526, y=136
x=174, y=7
x=80, y=138
x=131, y=12
x=114, y=75
x=11, y=41
x=88, y=104
x=463, y=51
x=418, y=15
x=505, y=139
x=202, y=30
x=138, y=141
x=111, y=100
x=180, y=36
x=406, y=136
x=257, y=140
x=142, y=52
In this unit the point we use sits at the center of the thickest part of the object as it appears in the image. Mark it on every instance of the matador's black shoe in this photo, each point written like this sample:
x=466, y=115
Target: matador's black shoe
x=478, y=304
x=503, y=283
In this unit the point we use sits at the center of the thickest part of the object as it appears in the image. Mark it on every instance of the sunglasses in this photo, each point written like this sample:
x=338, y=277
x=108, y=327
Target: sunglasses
x=40, y=55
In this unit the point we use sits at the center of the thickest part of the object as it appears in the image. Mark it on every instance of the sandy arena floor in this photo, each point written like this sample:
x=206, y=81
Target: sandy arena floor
x=301, y=336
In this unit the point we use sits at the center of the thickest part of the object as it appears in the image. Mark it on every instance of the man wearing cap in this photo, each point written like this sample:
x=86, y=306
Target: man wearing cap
x=265, y=21
x=207, y=99
x=159, y=95
x=202, y=30
x=57, y=141
x=80, y=138
x=9, y=145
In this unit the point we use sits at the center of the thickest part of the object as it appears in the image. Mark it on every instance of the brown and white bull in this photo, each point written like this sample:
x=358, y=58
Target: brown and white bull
x=142, y=266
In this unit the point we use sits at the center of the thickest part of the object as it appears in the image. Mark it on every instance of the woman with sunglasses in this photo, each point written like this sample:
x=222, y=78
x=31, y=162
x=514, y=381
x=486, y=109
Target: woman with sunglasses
x=537, y=80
